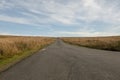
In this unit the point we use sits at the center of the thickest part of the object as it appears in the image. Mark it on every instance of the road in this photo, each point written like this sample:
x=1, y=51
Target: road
x=61, y=61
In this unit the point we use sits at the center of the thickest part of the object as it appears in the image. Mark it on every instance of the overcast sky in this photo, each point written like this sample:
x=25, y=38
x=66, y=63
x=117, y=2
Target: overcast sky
x=60, y=17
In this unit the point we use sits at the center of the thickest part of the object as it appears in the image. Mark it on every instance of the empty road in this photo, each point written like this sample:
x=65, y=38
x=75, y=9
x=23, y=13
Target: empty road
x=61, y=61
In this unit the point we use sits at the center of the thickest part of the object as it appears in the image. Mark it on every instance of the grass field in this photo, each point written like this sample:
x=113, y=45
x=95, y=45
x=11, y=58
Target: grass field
x=14, y=47
x=105, y=43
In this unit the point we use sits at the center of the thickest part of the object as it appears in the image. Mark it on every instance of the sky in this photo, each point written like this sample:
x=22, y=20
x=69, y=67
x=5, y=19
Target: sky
x=60, y=18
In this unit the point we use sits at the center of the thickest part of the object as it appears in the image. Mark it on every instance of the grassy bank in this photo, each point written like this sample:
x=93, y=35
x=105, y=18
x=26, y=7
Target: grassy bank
x=14, y=49
x=105, y=43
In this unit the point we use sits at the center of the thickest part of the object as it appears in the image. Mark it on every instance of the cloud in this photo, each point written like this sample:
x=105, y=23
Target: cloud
x=14, y=19
x=4, y=4
x=88, y=31
x=3, y=33
x=86, y=10
x=65, y=12
x=87, y=34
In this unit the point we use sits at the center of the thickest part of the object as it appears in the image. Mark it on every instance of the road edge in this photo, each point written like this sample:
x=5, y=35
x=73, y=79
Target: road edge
x=12, y=63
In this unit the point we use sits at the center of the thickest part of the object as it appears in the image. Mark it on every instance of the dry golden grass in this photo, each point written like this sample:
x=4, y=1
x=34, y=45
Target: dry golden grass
x=106, y=43
x=10, y=46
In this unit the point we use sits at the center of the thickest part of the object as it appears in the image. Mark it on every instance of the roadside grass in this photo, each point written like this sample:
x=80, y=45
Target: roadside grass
x=7, y=62
x=104, y=43
x=14, y=49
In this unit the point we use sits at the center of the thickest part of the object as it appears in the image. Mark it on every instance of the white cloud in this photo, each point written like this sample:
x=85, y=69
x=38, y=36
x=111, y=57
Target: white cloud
x=14, y=19
x=86, y=34
x=91, y=32
x=3, y=33
x=67, y=13
x=86, y=10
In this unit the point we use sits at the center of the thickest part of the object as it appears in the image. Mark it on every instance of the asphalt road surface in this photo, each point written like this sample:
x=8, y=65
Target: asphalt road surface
x=61, y=61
